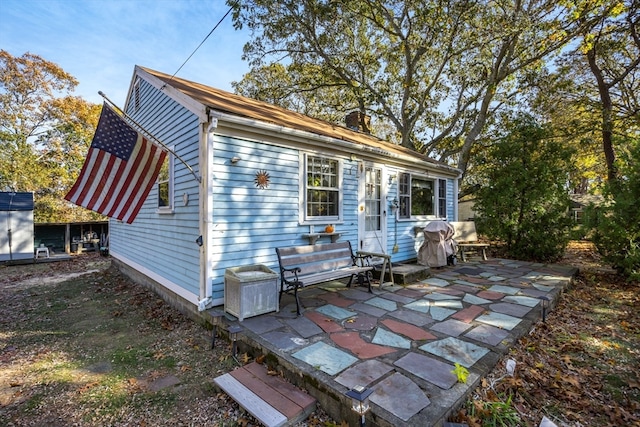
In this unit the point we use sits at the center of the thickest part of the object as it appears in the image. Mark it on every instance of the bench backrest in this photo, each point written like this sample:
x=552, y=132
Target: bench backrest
x=313, y=259
x=465, y=231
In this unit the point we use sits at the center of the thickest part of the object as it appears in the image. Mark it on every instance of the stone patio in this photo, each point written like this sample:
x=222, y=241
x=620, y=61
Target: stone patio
x=403, y=341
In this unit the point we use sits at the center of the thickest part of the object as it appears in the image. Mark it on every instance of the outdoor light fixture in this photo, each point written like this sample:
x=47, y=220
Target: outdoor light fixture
x=360, y=401
x=199, y=241
x=545, y=306
x=234, y=330
x=216, y=315
x=235, y=159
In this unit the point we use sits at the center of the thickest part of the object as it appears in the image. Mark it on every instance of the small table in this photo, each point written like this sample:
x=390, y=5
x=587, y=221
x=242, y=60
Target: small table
x=386, y=262
x=44, y=251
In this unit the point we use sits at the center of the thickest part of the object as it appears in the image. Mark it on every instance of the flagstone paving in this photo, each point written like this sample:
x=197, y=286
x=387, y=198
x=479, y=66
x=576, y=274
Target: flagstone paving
x=403, y=342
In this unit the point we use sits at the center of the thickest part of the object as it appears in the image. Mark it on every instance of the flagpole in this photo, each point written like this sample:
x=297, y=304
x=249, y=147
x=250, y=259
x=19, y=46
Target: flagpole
x=149, y=135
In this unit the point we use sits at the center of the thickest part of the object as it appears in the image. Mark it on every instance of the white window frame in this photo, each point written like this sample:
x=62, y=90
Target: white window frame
x=407, y=197
x=168, y=209
x=328, y=219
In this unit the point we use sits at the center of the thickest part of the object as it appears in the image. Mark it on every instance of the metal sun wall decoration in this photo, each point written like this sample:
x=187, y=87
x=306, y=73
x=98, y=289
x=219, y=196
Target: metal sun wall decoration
x=262, y=179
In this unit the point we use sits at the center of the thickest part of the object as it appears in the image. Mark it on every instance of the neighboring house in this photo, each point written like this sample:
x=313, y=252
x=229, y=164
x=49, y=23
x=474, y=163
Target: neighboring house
x=579, y=202
x=16, y=217
x=269, y=178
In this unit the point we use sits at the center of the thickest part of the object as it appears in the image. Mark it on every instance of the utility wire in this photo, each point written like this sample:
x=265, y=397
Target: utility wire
x=205, y=39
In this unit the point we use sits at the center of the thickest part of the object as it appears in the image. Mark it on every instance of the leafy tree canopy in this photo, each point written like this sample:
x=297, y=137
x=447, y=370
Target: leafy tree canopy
x=44, y=133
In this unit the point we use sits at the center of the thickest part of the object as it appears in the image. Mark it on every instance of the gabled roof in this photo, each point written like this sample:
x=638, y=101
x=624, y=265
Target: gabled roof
x=227, y=102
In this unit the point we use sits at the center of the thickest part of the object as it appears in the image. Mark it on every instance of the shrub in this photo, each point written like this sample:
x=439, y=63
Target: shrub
x=616, y=227
x=524, y=202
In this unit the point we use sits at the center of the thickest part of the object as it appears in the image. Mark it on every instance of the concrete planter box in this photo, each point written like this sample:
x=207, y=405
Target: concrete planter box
x=250, y=290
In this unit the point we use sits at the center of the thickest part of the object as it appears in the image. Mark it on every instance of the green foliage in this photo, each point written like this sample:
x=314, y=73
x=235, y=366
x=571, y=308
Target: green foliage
x=524, y=202
x=616, y=228
x=461, y=373
x=44, y=134
x=495, y=413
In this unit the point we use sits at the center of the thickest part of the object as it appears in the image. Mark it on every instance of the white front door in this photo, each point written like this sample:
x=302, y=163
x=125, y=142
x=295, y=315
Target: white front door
x=371, y=211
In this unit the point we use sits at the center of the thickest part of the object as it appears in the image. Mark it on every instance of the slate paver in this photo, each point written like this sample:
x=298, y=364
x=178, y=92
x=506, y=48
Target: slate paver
x=469, y=313
x=433, y=281
x=510, y=309
x=401, y=299
x=499, y=320
x=335, y=299
x=451, y=327
x=490, y=295
x=509, y=290
x=368, y=309
x=336, y=312
x=304, y=326
x=487, y=334
x=382, y=303
x=422, y=306
x=261, y=324
x=363, y=373
x=413, y=317
x=356, y=345
x=522, y=300
x=329, y=360
x=440, y=313
x=327, y=324
x=429, y=369
x=472, y=299
x=360, y=323
x=437, y=296
x=399, y=396
x=411, y=331
x=284, y=341
x=456, y=351
x=390, y=339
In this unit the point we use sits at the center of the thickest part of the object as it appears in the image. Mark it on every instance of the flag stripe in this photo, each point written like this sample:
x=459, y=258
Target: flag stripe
x=119, y=171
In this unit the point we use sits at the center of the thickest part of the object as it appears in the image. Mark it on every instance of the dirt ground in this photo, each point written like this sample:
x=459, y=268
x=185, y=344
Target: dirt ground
x=81, y=345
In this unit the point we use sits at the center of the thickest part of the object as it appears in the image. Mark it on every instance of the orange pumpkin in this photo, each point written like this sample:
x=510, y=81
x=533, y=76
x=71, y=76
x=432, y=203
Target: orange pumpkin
x=329, y=229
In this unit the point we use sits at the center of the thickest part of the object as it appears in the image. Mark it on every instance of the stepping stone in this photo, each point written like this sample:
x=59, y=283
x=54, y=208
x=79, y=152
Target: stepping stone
x=472, y=299
x=336, y=300
x=329, y=360
x=490, y=295
x=422, y=306
x=360, y=323
x=357, y=294
x=436, y=282
x=270, y=399
x=440, y=313
x=363, y=373
x=436, y=296
x=400, y=396
x=429, y=369
x=398, y=298
x=456, y=351
x=447, y=303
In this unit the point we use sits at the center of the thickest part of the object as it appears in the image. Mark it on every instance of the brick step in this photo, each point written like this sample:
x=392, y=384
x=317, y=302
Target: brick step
x=270, y=399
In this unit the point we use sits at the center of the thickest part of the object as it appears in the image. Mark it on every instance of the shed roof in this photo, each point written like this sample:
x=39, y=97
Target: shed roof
x=230, y=103
x=10, y=201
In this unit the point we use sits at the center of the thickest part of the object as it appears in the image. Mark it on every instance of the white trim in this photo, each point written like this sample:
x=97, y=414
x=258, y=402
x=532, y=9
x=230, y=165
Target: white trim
x=324, y=141
x=173, y=287
x=189, y=103
x=302, y=185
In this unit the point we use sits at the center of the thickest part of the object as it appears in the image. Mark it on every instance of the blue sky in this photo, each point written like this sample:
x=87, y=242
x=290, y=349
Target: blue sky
x=100, y=41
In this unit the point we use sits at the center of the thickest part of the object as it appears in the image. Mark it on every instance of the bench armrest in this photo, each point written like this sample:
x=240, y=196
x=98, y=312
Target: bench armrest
x=362, y=258
x=294, y=270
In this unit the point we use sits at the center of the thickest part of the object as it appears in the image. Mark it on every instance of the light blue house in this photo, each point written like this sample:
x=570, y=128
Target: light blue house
x=251, y=177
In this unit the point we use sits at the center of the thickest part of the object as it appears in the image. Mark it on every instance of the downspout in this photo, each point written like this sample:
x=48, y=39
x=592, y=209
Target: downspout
x=205, y=213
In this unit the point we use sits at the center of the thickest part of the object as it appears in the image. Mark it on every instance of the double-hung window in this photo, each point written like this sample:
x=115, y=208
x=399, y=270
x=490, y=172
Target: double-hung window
x=417, y=196
x=322, y=188
x=165, y=185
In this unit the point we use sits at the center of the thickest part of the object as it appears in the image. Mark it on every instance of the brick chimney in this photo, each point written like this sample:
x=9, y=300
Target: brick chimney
x=358, y=121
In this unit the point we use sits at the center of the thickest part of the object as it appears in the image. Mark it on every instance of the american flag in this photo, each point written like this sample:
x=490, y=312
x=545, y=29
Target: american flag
x=119, y=171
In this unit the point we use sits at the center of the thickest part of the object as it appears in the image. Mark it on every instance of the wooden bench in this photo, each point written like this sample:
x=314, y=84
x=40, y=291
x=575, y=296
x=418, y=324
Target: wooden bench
x=466, y=237
x=308, y=265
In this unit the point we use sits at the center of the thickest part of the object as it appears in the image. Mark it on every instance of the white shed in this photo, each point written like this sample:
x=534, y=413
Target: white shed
x=16, y=220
